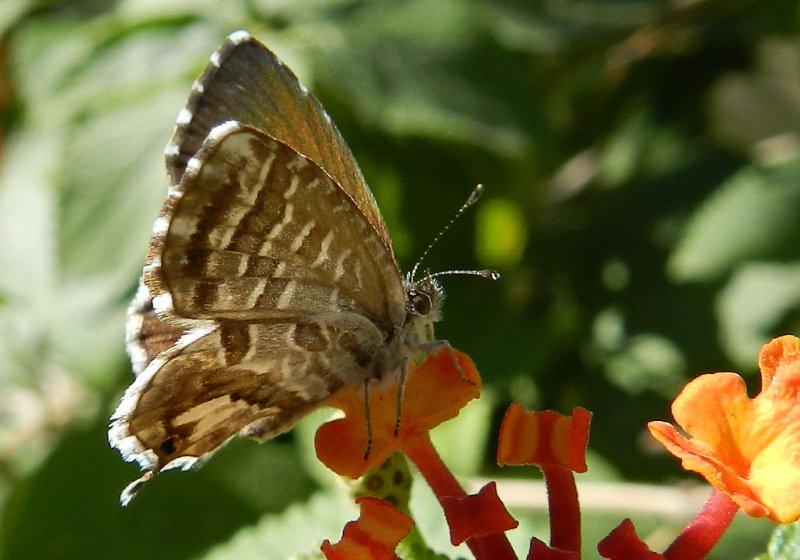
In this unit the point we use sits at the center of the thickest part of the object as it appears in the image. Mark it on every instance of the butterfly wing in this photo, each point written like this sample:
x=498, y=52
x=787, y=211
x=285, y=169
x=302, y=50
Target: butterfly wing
x=283, y=289
x=145, y=335
x=253, y=378
x=245, y=82
x=270, y=280
x=256, y=231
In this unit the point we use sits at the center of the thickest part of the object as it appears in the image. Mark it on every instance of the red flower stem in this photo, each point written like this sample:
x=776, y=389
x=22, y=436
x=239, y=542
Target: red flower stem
x=704, y=531
x=565, y=513
x=421, y=452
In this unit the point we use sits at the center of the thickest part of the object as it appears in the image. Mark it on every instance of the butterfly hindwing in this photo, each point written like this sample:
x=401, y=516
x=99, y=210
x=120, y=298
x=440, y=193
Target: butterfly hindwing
x=145, y=335
x=238, y=376
x=245, y=82
x=256, y=230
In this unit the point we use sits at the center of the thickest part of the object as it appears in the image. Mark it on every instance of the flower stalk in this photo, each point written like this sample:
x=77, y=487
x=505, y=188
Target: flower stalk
x=443, y=483
x=703, y=532
x=565, y=513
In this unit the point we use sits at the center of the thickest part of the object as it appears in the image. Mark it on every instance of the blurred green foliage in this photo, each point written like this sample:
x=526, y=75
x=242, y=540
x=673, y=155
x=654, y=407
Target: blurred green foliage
x=641, y=160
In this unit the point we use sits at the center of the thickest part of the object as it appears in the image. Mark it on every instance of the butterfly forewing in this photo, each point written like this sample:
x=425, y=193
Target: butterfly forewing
x=256, y=230
x=245, y=82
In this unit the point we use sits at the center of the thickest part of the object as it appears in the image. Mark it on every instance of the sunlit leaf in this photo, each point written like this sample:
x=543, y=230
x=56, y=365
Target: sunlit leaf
x=27, y=197
x=299, y=530
x=403, y=83
x=784, y=544
x=755, y=301
x=751, y=108
x=647, y=362
x=10, y=12
x=752, y=215
x=462, y=442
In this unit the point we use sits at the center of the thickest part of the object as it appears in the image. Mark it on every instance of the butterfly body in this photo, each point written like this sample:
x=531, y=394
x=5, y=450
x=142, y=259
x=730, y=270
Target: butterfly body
x=270, y=281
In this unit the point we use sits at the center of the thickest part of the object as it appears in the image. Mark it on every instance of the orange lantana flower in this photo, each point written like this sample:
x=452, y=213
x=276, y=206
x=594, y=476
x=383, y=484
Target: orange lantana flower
x=544, y=438
x=477, y=514
x=373, y=536
x=557, y=445
x=436, y=389
x=624, y=544
x=746, y=448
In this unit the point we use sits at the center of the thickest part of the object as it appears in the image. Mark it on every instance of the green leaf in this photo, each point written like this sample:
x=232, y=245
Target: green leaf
x=112, y=185
x=757, y=112
x=26, y=197
x=430, y=521
x=393, y=64
x=784, y=544
x=751, y=306
x=11, y=12
x=647, y=362
x=749, y=216
x=84, y=174
x=69, y=507
x=625, y=149
x=462, y=441
x=415, y=549
x=301, y=529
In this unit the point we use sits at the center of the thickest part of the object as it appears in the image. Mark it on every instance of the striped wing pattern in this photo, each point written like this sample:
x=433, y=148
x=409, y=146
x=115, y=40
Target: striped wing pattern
x=283, y=289
x=245, y=82
x=146, y=336
x=238, y=376
x=256, y=230
x=270, y=281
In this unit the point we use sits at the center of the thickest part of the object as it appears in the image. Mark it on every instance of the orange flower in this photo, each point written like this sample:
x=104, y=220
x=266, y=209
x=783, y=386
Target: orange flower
x=373, y=536
x=557, y=445
x=540, y=551
x=477, y=515
x=746, y=448
x=544, y=438
x=624, y=544
x=436, y=390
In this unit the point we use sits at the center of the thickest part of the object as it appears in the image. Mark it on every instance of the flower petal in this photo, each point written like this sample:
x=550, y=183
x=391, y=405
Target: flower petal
x=775, y=468
x=544, y=438
x=373, y=536
x=624, y=544
x=540, y=551
x=477, y=515
x=715, y=410
x=695, y=458
x=435, y=391
x=747, y=448
x=781, y=353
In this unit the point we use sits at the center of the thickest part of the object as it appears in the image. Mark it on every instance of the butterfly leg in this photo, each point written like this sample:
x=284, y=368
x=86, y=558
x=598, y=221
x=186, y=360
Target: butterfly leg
x=367, y=417
x=437, y=345
x=401, y=392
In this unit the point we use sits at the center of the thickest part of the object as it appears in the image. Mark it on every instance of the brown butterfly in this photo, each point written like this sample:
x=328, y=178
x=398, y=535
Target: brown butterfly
x=270, y=281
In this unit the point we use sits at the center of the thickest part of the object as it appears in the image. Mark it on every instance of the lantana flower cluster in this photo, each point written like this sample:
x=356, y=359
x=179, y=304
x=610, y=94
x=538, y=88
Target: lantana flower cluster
x=747, y=449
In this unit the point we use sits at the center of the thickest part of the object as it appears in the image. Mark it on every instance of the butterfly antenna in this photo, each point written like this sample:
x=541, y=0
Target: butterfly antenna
x=489, y=274
x=472, y=199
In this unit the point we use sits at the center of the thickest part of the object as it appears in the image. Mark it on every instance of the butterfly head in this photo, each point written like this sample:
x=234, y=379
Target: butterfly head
x=423, y=298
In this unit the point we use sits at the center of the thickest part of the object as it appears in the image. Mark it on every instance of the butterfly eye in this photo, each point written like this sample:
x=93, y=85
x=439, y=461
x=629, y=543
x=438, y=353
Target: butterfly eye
x=420, y=302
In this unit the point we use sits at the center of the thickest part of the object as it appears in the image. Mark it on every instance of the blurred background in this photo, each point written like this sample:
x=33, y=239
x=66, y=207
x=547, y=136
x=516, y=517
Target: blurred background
x=641, y=160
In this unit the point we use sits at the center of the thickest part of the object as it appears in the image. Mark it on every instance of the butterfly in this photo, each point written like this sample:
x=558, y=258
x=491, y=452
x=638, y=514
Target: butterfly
x=270, y=281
